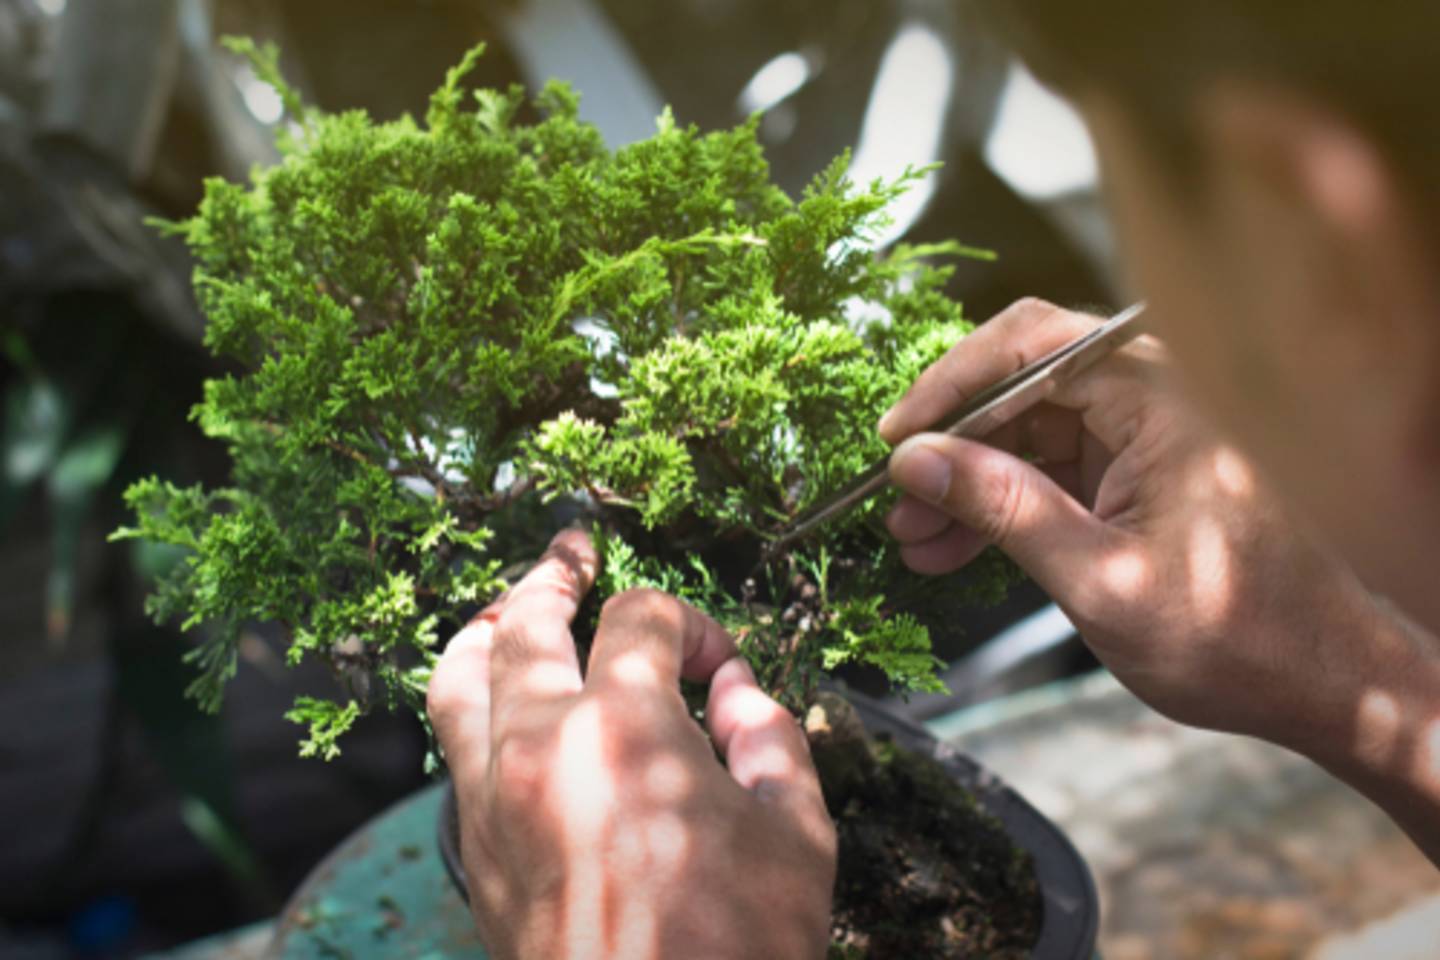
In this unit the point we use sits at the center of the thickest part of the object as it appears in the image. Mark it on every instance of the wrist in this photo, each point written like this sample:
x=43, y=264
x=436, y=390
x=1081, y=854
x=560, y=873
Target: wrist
x=1372, y=716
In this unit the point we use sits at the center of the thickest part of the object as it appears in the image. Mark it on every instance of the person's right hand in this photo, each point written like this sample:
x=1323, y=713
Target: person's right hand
x=1157, y=539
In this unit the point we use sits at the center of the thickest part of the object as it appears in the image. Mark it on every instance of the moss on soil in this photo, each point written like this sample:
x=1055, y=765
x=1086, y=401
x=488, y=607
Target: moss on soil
x=924, y=871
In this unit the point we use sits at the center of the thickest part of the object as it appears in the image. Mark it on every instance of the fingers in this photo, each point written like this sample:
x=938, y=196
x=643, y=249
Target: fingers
x=532, y=652
x=1105, y=403
x=1004, y=501
x=931, y=542
x=1020, y=335
x=458, y=699
x=763, y=745
x=944, y=553
x=648, y=639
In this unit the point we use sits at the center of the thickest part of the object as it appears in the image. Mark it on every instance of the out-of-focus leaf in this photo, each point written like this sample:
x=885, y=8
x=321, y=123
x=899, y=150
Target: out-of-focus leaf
x=81, y=470
x=87, y=464
x=190, y=746
x=37, y=416
x=220, y=836
x=153, y=560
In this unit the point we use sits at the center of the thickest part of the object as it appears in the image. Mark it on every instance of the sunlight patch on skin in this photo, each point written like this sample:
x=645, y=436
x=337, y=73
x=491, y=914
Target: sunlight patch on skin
x=748, y=707
x=583, y=793
x=1212, y=574
x=667, y=841
x=634, y=669
x=583, y=780
x=763, y=767
x=1126, y=574
x=663, y=848
x=1235, y=476
x=1347, y=177
x=1428, y=760
x=1377, y=728
x=667, y=780
x=548, y=678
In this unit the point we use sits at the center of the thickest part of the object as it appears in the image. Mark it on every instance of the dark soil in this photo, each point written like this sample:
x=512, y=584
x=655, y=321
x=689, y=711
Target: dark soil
x=924, y=871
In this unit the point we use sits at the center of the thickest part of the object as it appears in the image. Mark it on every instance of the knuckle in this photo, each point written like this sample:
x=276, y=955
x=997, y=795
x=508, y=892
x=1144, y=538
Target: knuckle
x=447, y=697
x=556, y=574
x=1029, y=311
x=520, y=637
x=769, y=714
x=439, y=697
x=512, y=639
x=641, y=603
x=519, y=770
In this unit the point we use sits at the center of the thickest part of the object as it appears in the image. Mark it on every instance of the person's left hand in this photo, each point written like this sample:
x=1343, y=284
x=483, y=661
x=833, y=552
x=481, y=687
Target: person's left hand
x=595, y=819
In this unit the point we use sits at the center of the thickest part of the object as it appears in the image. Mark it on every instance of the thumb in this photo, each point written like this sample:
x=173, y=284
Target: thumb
x=1008, y=503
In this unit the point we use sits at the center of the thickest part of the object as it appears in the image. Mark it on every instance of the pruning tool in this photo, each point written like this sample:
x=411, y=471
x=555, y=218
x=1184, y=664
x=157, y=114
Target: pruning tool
x=992, y=407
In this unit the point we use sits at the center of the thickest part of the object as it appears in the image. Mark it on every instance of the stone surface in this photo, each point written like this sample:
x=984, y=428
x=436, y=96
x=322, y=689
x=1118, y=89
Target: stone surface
x=1205, y=845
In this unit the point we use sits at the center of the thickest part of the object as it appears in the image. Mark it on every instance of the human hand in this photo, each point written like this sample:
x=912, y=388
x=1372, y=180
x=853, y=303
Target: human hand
x=595, y=819
x=1157, y=539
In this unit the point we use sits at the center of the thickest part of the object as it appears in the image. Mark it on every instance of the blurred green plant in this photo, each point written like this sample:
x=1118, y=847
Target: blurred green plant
x=45, y=444
x=440, y=328
x=85, y=370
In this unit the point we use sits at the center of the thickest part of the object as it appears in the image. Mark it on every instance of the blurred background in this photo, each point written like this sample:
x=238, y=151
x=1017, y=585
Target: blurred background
x=129, y=822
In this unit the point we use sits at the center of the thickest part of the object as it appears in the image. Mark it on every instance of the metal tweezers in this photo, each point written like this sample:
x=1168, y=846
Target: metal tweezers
x=992, y=407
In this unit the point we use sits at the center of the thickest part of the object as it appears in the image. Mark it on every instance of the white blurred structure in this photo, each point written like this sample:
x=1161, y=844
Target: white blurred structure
x=905, y=120
x=573, y=40
x=1039, y=146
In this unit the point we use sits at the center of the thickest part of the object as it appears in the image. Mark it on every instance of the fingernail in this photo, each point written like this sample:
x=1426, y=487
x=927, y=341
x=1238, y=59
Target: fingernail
x=886, y=421
x=746, y=669
x=919, y=469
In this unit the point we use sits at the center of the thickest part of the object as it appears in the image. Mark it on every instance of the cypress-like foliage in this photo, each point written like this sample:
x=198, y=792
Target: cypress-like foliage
x=436, y=329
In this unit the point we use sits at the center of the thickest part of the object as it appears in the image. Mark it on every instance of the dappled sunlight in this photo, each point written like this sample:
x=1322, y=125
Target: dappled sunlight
x=666, y=842
x=582, y=774
x=1396, y=740
x=633, y=669
x=655, y=839
x=1127, y=575
x=1427, y=762
x=1235, y=476
x=1378, y=728
x=584, y=791
x=1211, y=557
x=660, y=849
x=764, y=767
x=548, y=678
x=667, y=780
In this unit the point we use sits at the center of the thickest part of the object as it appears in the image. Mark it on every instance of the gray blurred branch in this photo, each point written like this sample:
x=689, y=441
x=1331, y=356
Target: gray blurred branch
x=111, y=77
x=89, y=101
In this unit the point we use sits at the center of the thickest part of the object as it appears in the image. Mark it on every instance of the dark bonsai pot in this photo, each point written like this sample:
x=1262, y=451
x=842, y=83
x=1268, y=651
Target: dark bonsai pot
x=1070, y=906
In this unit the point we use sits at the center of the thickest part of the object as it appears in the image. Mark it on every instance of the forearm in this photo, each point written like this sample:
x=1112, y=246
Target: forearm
x=1374, y=717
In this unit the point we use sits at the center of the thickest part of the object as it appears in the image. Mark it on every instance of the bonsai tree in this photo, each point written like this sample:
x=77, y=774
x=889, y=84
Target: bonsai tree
x=437, y=329
x=449, y=338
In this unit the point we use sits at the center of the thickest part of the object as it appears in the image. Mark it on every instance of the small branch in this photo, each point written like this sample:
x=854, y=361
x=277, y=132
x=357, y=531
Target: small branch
x=506, y=497
x=792, y=651
x=677, y=306
x=348, y=451
x=609, y=498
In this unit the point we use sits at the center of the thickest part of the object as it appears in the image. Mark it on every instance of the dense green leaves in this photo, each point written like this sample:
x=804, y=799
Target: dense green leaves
x=438, y=328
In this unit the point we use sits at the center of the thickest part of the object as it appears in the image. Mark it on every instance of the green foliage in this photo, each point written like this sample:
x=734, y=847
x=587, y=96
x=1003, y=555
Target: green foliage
x=327, y=722
x=439, y=329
